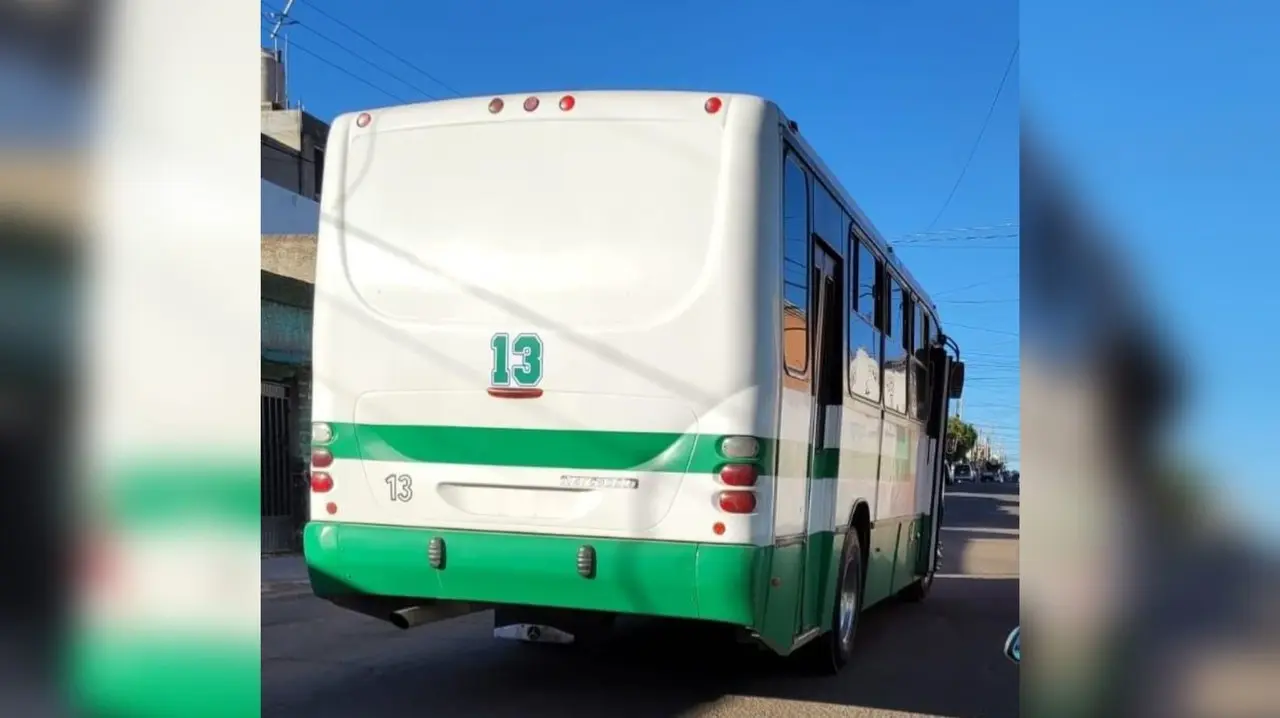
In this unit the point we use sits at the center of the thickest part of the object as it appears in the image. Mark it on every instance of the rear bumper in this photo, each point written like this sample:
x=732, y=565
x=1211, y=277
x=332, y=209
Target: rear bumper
x=711, y=582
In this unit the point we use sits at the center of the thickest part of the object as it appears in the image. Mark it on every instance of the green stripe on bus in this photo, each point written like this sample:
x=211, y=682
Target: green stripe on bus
x=535, y=448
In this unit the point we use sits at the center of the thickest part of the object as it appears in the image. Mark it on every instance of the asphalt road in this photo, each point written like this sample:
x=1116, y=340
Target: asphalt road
x=942, y=657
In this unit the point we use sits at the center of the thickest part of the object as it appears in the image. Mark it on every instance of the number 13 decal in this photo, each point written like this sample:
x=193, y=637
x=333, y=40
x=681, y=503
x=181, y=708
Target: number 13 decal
x=401, y=487
x=517, y=361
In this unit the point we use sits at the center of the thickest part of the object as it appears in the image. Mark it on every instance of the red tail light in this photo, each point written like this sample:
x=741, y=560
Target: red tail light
x=321, y=458
x=737, y=502
x=321, y=482
x=738, y=475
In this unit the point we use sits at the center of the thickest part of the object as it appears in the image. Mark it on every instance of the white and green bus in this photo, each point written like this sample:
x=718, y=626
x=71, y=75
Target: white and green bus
x=616, y=353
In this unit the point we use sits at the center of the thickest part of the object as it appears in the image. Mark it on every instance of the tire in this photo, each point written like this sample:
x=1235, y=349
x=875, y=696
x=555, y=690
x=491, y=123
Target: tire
x=831, y=652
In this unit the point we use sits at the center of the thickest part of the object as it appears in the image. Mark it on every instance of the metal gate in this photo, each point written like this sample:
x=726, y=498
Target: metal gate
x=283, y=511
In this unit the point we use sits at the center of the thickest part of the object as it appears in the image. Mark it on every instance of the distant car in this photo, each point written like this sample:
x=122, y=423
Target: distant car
x=962, y=473
x=1014, y=476
x=987, y=476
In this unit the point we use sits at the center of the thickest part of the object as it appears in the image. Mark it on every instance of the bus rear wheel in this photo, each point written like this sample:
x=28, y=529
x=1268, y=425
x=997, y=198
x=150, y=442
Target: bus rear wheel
x=832, y=651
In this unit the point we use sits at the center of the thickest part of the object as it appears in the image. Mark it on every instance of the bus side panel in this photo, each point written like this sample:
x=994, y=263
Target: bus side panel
x=881, y=562
x=788, y=411
x=858, y=459
x=904, y=573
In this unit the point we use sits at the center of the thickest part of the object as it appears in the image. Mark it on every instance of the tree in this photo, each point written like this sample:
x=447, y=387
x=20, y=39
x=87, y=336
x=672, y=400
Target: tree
x=961, y=436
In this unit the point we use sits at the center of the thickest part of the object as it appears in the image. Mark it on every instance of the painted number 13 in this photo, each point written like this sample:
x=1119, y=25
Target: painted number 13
x=401, y=487
x=518, y=360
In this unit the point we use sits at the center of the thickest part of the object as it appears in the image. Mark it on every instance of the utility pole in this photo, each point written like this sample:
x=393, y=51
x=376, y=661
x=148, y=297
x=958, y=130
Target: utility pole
x=281, y=19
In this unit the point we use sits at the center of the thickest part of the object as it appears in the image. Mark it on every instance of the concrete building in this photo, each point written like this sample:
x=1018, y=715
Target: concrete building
x=292, y=171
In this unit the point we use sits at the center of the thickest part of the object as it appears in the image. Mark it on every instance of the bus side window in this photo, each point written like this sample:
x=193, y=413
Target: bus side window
x=828, y=216
x=920, y=333
x=895, y=354
x=864, y=336
x=795, y=269
x=921, y=388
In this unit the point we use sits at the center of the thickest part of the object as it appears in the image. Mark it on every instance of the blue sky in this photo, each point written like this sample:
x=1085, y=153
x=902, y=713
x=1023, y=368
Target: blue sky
x=892, y=95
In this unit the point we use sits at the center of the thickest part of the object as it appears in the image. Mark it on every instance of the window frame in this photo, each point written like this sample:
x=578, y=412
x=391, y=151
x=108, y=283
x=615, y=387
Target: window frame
x=791, y=156
x=858, y=243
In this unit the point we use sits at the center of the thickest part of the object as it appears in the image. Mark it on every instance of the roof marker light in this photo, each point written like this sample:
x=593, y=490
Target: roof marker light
x=713, y=105
x=531, y=104
x=567, y=102
x=363, y=119
x=495, y=105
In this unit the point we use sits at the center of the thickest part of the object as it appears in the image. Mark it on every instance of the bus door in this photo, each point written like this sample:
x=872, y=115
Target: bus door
x=947, y=383
x=826, y=299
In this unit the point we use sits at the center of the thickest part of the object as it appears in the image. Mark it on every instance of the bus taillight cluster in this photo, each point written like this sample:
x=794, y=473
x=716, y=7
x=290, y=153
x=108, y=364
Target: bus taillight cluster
x=741, y=473
x=322, y=458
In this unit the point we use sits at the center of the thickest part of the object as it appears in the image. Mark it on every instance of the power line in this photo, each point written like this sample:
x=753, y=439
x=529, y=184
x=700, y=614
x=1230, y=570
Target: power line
x=277, y=15
x=378, y=45
x=962, y=230
x=981, y=329
x=934, y=240
x=922, y=245
x=973, y=150
x=975, y=285
x=296, y=46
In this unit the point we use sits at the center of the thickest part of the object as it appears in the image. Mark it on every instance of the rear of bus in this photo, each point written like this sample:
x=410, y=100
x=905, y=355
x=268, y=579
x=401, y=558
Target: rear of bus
x=536, y=353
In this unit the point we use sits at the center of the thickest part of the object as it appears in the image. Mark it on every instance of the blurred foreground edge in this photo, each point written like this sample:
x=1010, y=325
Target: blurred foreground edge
x=1143, y=597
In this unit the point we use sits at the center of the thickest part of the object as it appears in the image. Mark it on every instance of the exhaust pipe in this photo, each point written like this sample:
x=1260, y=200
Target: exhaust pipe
x=407, y=618
x=411, y=616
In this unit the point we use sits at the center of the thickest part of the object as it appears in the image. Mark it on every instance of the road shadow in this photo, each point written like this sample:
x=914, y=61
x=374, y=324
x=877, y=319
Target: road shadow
x=941, y=657
x=978, y=511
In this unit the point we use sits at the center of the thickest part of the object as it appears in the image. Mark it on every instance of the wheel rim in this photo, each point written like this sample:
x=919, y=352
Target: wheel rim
x=848, y=606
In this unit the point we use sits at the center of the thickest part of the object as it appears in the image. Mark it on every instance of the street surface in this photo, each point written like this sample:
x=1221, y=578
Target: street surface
x=940, y=658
